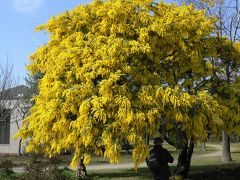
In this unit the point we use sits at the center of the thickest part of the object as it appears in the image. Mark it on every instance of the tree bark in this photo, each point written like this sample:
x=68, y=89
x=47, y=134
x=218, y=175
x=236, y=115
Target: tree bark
x=81, y=172
x=20, y=147
x=204, y=146
x=182, y=156
x=184, y=159
x=226, y=152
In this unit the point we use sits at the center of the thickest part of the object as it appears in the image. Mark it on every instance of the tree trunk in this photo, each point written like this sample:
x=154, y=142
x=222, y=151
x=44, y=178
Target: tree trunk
x=20, y=147
x=182, y=156
x=204, y=146
x=81, y=172
x=184, y=159
x=226, y=153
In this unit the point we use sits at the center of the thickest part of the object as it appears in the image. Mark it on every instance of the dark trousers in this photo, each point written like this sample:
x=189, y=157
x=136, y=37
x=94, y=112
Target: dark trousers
x=158, y=176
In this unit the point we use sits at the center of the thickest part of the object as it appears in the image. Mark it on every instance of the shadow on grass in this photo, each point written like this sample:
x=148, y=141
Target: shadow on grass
x=202, y=172
x=230, y=171
x=235, y=152
x=4, y=176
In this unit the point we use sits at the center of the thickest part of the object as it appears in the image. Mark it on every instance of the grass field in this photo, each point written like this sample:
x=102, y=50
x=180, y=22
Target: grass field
x=204, y=163
x=201, y=164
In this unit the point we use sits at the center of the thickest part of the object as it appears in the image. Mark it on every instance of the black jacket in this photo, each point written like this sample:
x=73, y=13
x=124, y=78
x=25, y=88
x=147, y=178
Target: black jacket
x=164, y=157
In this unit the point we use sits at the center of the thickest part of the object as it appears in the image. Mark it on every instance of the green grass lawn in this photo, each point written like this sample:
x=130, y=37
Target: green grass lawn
x=201, y=165
x=127, y=158
x=207, y=172
x=4, y=176
x=142, y=173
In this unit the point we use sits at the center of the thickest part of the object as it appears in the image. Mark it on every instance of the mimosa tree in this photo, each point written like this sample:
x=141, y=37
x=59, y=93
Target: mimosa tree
x=112, y=70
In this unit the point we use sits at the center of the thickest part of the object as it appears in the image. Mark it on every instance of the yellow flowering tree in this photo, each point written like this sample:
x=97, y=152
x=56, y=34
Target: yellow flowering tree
x=112, y=71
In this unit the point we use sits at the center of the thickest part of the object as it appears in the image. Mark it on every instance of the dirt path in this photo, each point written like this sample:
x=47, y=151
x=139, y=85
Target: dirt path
x=96, y=167
x=114, y=166
x=217, y=152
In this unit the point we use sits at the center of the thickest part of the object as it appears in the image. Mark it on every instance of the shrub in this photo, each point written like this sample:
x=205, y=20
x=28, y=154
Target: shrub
x=34, y=171
x=44, y=171
x=53, y=171
x=7, y=166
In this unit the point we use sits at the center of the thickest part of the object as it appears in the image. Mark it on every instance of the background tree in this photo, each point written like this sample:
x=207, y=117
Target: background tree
x=10, y=94
x=6, y=83
x=31, y=82
x=113, y=71
x=26, y=101
x=225, y=83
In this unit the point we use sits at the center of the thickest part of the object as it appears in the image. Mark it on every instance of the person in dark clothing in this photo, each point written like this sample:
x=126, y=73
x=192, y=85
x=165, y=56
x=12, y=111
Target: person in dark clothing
x=162, y=171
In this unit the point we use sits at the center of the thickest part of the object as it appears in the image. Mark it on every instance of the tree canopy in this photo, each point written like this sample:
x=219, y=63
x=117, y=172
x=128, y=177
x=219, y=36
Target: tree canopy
x=112, y=70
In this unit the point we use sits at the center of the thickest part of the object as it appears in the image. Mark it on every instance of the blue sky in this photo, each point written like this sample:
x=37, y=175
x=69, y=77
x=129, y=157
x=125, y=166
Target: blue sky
x=18, y=20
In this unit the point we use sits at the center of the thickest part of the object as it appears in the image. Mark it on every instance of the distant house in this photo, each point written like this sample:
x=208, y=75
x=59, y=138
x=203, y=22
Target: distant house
x=11, y=105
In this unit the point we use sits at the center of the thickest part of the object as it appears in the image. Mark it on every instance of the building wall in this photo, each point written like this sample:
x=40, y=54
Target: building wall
x=13, y=146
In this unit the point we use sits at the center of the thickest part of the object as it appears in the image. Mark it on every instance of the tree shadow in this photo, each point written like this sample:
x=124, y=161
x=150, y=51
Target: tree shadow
x=235, y=152
x=201, y=172
x=215, y=172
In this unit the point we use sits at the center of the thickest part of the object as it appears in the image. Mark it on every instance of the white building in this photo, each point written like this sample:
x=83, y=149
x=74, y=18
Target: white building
x=11, y=116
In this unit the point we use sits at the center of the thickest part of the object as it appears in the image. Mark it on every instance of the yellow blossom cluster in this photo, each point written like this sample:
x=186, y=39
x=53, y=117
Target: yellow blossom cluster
x=112, y=69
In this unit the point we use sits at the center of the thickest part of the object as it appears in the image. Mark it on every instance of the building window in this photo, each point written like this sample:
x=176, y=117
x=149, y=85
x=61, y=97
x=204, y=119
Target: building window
x=5, y=116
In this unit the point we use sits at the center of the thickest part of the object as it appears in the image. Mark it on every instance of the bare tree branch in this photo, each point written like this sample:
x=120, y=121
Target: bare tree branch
x=6, y=83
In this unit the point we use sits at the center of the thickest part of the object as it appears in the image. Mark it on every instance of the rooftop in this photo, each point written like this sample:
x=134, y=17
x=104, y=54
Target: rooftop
x=13, y=93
